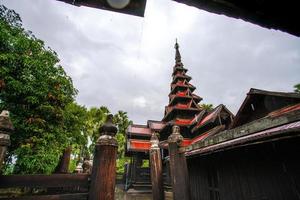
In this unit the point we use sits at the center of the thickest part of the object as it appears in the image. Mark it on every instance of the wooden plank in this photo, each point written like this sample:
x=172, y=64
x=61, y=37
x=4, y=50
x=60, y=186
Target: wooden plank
x=47, y=181
x=76, y=196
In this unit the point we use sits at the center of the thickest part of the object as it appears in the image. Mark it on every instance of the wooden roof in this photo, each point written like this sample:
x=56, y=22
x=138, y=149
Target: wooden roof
x=276, y=15
x=287, y=130
x=212, y=117
x=135, y=7
x=138, y=136
x=259, y=103
x=278, y=124
x=138, y=130
x=281, y=15
x=155, y=125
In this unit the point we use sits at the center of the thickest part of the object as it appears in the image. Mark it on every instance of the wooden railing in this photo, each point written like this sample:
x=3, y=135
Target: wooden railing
x=97, y=186
x=55, y=186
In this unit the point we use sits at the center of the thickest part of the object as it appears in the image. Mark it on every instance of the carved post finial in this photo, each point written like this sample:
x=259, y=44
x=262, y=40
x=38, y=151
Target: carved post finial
x=108, y=127
x=107, y=132
x=175, y=136
x=176, y=130
x=154, y=141
x=4, y=113
x=6, y=128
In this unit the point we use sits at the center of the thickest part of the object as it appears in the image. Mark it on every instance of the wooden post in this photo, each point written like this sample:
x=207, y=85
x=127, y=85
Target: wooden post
x=104, y=164
x=178, y=166
x=156, y=169
x=6, y=128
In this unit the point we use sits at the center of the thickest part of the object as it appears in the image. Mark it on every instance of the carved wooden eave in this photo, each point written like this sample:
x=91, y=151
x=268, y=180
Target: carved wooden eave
x=278, y=15
x=138, y=131
x=175, y=98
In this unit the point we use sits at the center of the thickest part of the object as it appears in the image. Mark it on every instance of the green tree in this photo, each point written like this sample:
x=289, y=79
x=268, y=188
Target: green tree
x=75, y=133
x=207, y=107
x=122, y=122
x=40, y=97
x=36, y=90
x=96, y=117
x=297, y=88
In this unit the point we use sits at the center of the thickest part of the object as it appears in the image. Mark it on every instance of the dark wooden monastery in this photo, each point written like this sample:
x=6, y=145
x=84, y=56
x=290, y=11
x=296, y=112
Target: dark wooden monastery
x=252, y=155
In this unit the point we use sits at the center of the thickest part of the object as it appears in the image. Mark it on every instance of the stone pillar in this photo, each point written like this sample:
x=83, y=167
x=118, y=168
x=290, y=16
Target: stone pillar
x=104, y=163
x=6, y=128
x=178, y=166
x=156, y=169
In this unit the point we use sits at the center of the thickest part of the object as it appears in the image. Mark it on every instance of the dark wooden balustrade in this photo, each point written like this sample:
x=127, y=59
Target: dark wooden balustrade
x=69, y=186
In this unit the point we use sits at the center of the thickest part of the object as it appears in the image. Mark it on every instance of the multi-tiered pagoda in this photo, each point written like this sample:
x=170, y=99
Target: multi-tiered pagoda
x=183, y=110
x=183, y=103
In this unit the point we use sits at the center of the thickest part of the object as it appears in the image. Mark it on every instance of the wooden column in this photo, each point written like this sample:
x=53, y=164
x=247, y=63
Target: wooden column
x=156, y=169
x=104, y=164
x=6, y=128
x=178, y=166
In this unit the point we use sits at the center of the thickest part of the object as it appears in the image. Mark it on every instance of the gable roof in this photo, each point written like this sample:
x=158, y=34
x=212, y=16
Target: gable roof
x=260, y=103
x=211, y=117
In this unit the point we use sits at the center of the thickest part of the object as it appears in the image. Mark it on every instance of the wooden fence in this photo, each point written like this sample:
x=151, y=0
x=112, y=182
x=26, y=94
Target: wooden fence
x=55, y=186
x=99, y=185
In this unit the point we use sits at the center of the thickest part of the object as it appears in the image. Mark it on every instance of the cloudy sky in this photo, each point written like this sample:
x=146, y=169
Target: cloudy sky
x=125, y=62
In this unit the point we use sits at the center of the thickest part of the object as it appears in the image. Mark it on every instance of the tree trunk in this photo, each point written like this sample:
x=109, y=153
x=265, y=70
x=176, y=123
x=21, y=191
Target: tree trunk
x=63, y=165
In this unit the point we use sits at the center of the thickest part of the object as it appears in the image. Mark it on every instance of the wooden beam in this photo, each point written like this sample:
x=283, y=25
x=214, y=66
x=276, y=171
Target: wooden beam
x=75, y=196
x=47, y=181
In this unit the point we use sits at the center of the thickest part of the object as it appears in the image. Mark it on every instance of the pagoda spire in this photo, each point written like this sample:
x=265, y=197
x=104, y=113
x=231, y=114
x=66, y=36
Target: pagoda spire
x=177, y=54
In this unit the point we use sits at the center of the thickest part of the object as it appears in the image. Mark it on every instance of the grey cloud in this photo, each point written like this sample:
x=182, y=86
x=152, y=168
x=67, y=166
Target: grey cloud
x=125, y=62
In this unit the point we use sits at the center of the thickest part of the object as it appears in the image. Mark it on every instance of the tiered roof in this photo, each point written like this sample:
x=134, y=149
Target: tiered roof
x=138, y=136
x=183, y=103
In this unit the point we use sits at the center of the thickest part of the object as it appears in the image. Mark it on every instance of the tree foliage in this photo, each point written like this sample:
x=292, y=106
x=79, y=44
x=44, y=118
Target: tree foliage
x=207, y=107
x=297, y=88
x=122, y=122
x=40, y=97
x=36, y=91
x=96, y=118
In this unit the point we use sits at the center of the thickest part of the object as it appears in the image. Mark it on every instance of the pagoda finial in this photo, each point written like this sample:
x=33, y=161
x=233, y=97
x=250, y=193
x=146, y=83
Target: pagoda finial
x=177, y=55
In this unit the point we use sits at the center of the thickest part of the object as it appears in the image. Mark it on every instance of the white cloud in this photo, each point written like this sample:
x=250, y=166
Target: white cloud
x=140, y=102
